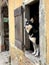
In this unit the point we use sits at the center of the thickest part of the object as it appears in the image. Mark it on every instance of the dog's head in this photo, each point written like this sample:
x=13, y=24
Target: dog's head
x=29, y=25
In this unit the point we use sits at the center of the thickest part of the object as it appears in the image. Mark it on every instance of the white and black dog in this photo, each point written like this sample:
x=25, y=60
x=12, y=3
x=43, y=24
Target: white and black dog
x=33, y=32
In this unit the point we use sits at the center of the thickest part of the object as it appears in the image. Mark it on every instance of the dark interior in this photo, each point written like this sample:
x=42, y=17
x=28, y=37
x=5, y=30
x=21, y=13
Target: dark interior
x=6, y=35
x=6, y=27
x=34, y=12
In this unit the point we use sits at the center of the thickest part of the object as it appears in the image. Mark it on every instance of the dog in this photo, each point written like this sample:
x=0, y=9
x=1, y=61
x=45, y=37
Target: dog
x=33, y=33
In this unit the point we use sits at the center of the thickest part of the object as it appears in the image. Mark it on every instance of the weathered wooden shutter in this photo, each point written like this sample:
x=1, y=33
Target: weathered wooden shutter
x=18, y=14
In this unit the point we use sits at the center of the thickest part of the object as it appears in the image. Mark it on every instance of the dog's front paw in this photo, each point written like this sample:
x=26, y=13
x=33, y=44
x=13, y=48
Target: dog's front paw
x=34, y=52
x=37, y=53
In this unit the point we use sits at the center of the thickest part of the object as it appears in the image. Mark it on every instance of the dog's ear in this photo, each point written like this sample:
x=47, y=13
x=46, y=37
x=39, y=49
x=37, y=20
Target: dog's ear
x=32, y=20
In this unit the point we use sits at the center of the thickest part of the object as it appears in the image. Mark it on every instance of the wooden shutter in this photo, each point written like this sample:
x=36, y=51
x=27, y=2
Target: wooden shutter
x=18, y=14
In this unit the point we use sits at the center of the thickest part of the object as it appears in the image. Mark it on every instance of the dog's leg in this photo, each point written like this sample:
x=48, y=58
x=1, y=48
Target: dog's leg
x=33, y=39
x=37, y=52
x=34, y=45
